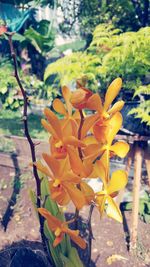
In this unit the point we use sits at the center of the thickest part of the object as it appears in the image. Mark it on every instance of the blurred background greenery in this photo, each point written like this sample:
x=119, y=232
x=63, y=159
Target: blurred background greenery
x=58, y=42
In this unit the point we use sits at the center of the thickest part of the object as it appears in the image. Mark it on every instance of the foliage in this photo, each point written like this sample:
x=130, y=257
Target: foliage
x=144, y=207
x=37, y=90
x=70, y=67
x=143, y=110
x=124, y=14
x=42, y=37
x=8, y=88
x=7, y=128
x=110, y=52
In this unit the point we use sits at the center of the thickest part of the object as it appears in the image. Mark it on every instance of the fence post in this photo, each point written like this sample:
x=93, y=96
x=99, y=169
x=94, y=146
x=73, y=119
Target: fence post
x=136, y=190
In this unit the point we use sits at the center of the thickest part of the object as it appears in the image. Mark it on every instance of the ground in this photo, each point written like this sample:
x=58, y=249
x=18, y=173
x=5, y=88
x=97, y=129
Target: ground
x=111, y=238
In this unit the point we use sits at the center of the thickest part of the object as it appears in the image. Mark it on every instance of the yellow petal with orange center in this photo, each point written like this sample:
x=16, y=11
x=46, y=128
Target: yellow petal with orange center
x=117, y=182
x=58, y=144
x=57, y=232
x=112, y=91
x=120, y=149
x=59, y=107
x=56, y=182
x=113, y=210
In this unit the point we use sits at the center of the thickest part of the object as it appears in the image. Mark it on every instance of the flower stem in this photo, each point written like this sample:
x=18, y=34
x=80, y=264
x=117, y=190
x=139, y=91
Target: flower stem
x=81, y=157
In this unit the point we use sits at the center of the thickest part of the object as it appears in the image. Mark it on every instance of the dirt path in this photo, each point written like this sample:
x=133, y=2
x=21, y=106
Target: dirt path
x=110, y=237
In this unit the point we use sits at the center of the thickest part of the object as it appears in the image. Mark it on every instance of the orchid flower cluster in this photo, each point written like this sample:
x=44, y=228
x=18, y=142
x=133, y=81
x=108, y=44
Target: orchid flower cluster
x=80, y=149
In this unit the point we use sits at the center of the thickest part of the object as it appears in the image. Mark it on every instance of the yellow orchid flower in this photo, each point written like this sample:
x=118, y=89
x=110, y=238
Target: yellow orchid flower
x=60, y=228
x=100, y=119
x=117, y=182
x=95, y=102
x=107, y=150
x=62, y=181
x=61, y=136
x=83, y=169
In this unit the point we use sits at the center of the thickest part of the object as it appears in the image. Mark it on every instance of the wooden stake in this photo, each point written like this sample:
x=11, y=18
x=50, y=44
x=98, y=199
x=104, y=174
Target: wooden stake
x=147, y=163
x=136, y=189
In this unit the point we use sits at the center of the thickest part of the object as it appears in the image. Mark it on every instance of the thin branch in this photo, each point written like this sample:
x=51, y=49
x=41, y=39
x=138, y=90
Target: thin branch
x=81, y=157
x=90, y=237
x=31, y=144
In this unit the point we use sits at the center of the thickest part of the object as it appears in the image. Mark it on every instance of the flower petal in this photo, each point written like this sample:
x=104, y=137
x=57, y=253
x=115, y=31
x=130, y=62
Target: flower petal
x=59, y=107
x=76, y=195
x=73, y=141
x=76, y=238
x=112, y=92
x=113, y=210
x=100, y=132
x=58, y=240
x=117, y=182
x=89, y=140
x=49, y=128
x=87, y=191
x=100, y=170
x=54, y=121
x=100, y=201
x=59, y=195
x=95, y=103
x=88, y=123
x=53, y=163
x=71, y=177
x=52, y=221
x=114, y=125
x=67, y=95
x=42, y=168
x=116, y=107
x=120, y=149
x=75, y=161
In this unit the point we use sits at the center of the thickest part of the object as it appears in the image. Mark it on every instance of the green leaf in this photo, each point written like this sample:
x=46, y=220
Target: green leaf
x=54, y=251
x=50, y=205
x=147, y=218
x=74, y=257
x=3, y=90
x=66, y=262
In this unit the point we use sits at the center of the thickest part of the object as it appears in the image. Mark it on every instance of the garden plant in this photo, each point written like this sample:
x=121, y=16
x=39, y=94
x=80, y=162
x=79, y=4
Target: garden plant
x=82, y=129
